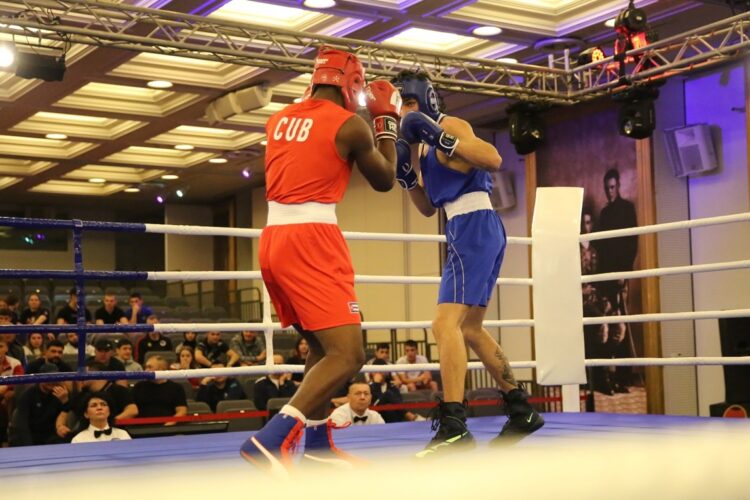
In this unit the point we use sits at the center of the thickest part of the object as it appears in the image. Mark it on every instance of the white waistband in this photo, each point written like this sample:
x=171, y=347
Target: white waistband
x=301, y=213
x=469, y=202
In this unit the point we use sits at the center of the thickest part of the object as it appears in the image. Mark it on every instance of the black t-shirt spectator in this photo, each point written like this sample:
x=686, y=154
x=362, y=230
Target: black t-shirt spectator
x=114, y=365
x=70, y=315
x=296, y=360
x=265, y=389
x=109, y=318
x=35, y=365
x=211, y=395
x=147, y=344
x=119, y=398
x=28, y=316
x=36, y=413
x=214, y=352
x=158, y=400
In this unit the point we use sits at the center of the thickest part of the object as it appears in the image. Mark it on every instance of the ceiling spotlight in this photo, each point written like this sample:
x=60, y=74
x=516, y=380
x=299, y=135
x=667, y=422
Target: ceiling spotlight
x=184, y=147
x=56, y=136
x=160, y=84
x=218, y=160
x=246, y=173
x=132, y=190
x=97, y=180
x=637, y=118
x=170, y=177
x=486, y=31
x=180, y=193
x=49, y=68
x=319, y=4
x=159, y=199
x=526, y=127
x=7, y=55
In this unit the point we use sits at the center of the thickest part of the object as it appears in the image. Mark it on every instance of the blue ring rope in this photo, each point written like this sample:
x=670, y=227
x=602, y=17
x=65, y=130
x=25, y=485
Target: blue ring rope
x=118, y=328
x=73, y=275
x=130, y=227
x=37, y=378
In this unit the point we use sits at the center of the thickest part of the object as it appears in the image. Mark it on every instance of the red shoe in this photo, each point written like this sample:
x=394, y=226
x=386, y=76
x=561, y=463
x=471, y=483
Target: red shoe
x=321, y=450
x=272, y=448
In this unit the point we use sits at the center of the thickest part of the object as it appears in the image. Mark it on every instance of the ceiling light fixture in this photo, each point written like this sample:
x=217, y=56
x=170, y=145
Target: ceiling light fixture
x=246, y=173
x=97, y=180
x=508, y=60
x=264, y=142
x=159, y=199
x=7, y=55
x=319, y=4
x=486, y=31
x=56, y=136
x=180, y=193
x=160, y=84
x=132, y=190
x=218, y=160
x=170, y=177
x=184, y=147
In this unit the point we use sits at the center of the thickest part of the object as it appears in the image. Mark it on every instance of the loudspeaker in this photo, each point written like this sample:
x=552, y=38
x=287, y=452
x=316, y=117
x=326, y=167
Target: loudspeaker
x=735, y=341
x=690, y=150
x=235, y=103
x=526, y=127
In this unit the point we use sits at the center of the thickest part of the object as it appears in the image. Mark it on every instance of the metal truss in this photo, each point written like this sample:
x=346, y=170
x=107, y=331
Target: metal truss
x=171, y=33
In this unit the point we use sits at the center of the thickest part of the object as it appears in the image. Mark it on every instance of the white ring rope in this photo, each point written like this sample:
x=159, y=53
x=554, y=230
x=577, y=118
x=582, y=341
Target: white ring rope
x=666, y=271
x=642, y=318
x=677, y=361
x=667, y=226
x=249, y=275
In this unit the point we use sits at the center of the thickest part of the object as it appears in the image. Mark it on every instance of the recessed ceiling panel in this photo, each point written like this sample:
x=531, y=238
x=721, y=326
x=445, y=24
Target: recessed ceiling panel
x=211, y=138
x=78, y=188
x=127, y=100
x=45, y=148
x=12, y=166
x=158, y=157
x=93, y=127
x=112, y=173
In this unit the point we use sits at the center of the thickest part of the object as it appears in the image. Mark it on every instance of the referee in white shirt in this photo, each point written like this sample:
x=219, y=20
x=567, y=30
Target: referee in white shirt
x=100, y=422
x=357, y=411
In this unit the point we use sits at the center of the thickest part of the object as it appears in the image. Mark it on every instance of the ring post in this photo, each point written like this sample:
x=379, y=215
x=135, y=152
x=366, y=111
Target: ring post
x=80, y=293
x=556, y=295
x=268, y=330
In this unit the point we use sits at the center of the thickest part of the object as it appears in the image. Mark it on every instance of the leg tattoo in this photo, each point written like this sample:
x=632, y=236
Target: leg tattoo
x=507, y=372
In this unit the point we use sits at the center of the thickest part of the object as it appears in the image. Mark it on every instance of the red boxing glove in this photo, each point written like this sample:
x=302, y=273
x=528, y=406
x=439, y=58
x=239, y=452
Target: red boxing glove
x=384, y=104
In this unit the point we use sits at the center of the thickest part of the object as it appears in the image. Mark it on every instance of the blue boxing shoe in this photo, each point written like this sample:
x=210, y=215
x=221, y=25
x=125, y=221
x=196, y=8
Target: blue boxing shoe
x=272, y=448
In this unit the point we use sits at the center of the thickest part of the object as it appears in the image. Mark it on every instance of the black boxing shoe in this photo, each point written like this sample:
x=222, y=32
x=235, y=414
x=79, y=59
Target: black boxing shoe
x=449, y=420
x=522, y=419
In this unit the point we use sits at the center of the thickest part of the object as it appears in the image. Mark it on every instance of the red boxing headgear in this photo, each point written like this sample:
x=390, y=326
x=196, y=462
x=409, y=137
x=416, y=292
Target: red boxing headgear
x=340, y=69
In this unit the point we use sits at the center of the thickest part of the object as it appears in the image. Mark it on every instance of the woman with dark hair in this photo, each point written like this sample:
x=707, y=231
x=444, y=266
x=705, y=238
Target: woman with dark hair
x=98, y=421
x=186, y=361
x=189, y=339
x=34, y=346
x=301, y=350
x=34, y=314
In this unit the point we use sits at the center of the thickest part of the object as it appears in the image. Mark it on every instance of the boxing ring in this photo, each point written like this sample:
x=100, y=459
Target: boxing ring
x=675, y=456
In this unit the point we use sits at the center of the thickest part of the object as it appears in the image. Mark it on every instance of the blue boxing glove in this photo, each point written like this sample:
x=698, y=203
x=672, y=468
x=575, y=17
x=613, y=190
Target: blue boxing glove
x=418, y=127
x=405, y=174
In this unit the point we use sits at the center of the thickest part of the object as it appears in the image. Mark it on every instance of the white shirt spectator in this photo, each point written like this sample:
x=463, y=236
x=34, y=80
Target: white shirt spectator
x=403, y=360
x=88, y=435
x=344, y=415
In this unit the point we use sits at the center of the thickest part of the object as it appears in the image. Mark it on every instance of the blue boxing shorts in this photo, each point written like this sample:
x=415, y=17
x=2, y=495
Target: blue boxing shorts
x=476, y=246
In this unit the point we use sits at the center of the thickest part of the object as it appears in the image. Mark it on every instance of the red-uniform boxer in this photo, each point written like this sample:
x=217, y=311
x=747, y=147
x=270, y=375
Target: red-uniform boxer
x=304, y=259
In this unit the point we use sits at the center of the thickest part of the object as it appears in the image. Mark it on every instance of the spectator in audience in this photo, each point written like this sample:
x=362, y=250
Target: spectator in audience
x=34, y=346
x=215, y=389
x=35, y=419
x=121, y=402
x=214, y=350
x=34, y=314
x=189, y=339
x=71, y=347
x=98, y=422
x=153, y=341
x=186, y=361
x=68, y=314
x=12, y=303
x=15, y=348
x=356, y=411
x=415, y=380
x=159, y=398
x=383, y=352
x=9, y=366
x=52, y=355
x=249, y=348
x=109, y=313
x=137, y=313
x=273, y=385
x=124, y=353
x=299, y=357
x=384, y=392
x=104, y=354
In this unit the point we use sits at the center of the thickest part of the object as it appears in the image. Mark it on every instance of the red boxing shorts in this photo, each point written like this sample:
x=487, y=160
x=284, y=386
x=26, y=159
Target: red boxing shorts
x=309, y=275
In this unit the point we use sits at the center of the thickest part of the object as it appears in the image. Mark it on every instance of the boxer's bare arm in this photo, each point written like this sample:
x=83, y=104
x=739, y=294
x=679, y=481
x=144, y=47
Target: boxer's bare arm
x=378, y=164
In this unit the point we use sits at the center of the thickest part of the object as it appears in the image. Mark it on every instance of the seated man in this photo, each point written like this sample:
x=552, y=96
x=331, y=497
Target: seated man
x=124, y=353
x=120, y=399
x=98, y=422
x=215, y=389
x=104, y=355
x=383, y=352
x=356, y=411
x=68, y=314
x=273, y=385
x=415, y=380
x=384, y=392
x=214, y=350
x=109, y=313
x=137, y=313
x=159, y=398
x=9, y=366
x=36, y=413
x=52, y=354
x=153, y=341
x=71, y=347
x=250, y=348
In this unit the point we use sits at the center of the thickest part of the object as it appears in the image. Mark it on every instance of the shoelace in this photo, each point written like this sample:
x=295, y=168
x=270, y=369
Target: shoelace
x=436, y=414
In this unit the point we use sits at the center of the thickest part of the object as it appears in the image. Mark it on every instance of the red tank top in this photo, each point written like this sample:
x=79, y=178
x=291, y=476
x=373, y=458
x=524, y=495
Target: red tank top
x=302, y=162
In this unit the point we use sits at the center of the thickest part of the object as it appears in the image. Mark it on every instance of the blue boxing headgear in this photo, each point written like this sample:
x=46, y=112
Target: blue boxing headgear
x=419, y=87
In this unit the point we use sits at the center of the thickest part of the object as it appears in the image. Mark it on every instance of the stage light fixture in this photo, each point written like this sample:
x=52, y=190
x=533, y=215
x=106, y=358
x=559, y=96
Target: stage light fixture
x=637, y=118
x=526, y=127
x=246, y=173
x=160, y=199
x=180, y=193
x=590, y=55
x=50, y=68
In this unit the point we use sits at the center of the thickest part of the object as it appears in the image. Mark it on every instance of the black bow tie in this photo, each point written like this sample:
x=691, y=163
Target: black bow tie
x=106, y=432
x=360, y=419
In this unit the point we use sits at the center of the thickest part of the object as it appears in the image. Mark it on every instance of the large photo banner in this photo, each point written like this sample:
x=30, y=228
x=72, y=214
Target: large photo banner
x=586, y=151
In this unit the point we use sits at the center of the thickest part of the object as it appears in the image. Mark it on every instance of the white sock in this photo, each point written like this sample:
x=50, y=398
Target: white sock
x=293, y=412
x=315, y=423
